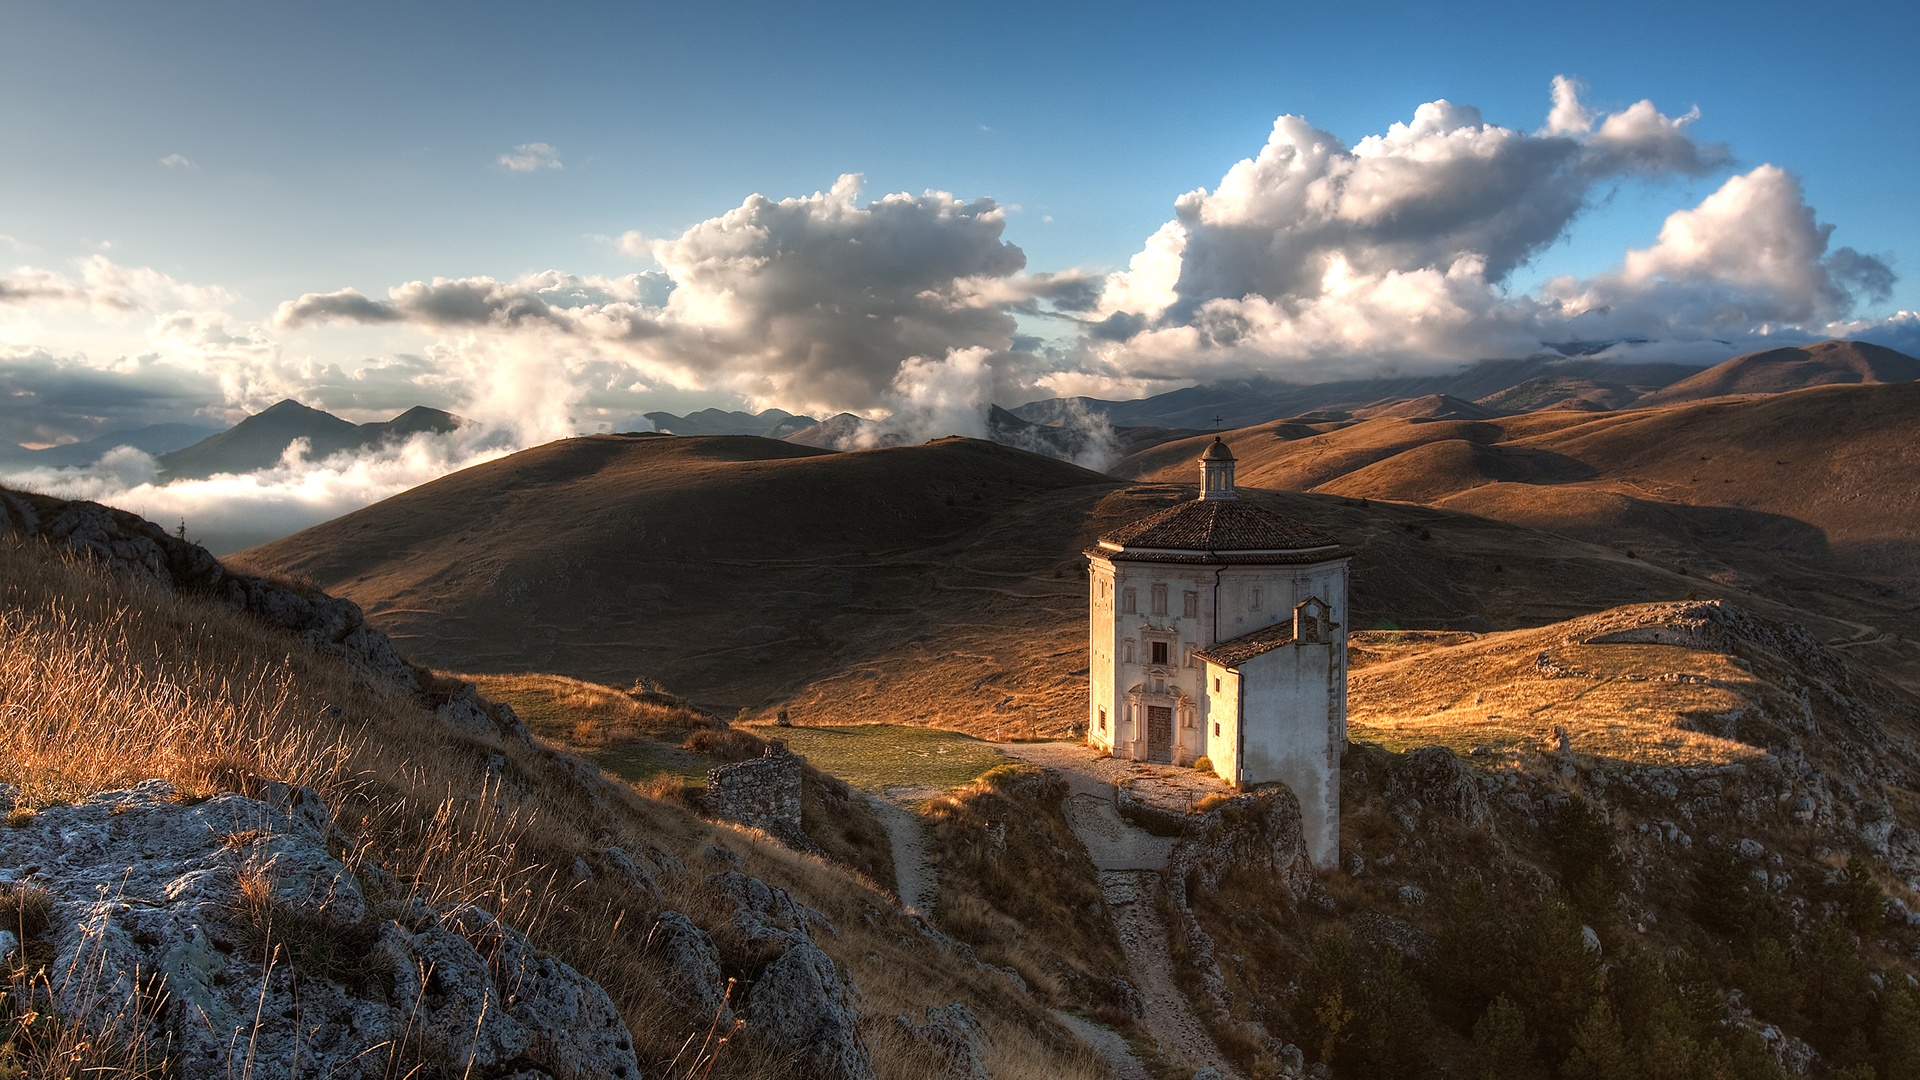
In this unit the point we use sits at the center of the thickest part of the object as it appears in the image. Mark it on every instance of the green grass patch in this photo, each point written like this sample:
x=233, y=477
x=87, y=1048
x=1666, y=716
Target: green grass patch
x=639, y=760
x=879, y=756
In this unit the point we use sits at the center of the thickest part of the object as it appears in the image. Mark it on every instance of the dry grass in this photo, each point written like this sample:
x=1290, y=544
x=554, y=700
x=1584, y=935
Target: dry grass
x=104, y=683
x=1016, y=886
x=1629, y=703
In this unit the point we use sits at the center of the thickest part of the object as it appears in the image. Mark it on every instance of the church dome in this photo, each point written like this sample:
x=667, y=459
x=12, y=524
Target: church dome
x=1218, y=452
x=1217, y=526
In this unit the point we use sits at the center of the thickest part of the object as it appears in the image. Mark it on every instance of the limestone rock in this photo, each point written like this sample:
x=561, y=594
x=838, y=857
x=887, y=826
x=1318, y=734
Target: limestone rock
x=953, y=1039
x=694, y=979
x=143, y=885
x=1442, y=783
x=766, y=915
x=1261, y=831
x=800, y=1003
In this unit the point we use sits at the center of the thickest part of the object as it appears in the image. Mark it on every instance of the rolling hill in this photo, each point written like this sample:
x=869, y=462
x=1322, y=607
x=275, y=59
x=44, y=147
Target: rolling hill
x=940, y=583
x=1780, y=370
x=1810, y=497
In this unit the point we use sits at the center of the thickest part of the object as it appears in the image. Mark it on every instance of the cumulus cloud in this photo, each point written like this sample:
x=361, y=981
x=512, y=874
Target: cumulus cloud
x=1751, y=254
x=531, y=157
x=107, y=288
x=812, y=303
x=177, y=161
x=1313, y=259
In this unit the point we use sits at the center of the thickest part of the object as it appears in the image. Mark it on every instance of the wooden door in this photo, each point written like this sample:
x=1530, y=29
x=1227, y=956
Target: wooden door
x=1160, y=734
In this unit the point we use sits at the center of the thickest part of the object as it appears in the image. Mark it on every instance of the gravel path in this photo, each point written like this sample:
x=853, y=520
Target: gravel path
x=1129, y=860
x=1108, y=1044
x=919, y=886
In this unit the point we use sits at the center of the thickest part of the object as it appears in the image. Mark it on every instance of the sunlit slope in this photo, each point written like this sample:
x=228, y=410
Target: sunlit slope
x=1701, y=683
x=937, y=584
x=1811, y=498
x=1779, y=370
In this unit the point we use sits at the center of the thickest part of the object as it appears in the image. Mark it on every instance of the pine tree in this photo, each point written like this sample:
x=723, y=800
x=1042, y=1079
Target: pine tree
x=1599, y=1052
x=1505, y=1046
x=1899, y=1034
x=1556, y=978
x=1473, y=959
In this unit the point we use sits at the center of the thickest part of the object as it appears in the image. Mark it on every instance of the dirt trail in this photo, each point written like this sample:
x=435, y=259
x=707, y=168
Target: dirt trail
x=1129, y=860
x=1108, y=1044
x=919, y=887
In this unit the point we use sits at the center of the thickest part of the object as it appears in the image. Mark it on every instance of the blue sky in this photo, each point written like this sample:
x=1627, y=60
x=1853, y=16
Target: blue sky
x=320, y=148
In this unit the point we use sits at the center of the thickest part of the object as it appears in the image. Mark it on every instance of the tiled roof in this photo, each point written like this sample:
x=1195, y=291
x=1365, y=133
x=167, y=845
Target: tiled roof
x=1218, y=525
x=1236, y=651
x=1224, y=558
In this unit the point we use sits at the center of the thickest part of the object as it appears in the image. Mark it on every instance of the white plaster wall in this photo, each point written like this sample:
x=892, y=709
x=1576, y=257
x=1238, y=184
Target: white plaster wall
x=1102, y=643
x=1222, y=707
x=1293, y=733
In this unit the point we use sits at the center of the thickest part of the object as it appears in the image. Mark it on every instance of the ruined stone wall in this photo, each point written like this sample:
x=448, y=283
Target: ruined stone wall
x=763, y=793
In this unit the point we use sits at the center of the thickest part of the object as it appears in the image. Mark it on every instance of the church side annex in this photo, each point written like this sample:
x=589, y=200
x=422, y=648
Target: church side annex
x=1217, y=629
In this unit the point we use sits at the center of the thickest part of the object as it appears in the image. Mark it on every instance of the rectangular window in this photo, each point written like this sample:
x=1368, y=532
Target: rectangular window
x=1127, y=604
x=1191, y=608
x=1160, y=652
x=1253, y=599
x=1216, y=729
x=1216, y=686
x=1129, y=652
x=1159, y=599
x=1103, y=721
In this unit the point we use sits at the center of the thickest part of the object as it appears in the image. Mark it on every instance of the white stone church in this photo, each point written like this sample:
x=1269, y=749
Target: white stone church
x=1218, y=630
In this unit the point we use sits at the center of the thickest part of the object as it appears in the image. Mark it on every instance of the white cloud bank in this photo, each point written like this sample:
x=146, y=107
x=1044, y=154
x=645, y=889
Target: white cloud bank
x=1316, y=260
x=1311, y=259
x=229, y=512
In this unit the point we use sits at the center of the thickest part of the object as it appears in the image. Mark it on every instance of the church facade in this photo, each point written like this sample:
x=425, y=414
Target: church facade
x=1217, y=629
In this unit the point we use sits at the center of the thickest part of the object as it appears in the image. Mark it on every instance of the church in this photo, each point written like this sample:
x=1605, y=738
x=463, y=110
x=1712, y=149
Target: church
x=1217, y=629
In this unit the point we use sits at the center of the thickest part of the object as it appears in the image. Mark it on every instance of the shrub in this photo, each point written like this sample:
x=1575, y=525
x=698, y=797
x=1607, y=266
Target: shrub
x=1203, y=764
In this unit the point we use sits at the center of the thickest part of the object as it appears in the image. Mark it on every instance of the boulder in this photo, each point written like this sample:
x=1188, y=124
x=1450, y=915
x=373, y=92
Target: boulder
x=952, y=1040
x=1261, y=831
x=800, y=1003
x=273, y=954
x=1439, y=781
x=694, y=980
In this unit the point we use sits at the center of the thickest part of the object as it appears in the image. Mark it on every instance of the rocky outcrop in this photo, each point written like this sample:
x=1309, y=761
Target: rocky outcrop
x=801, y=1003
x=270, y=952
x=1261, y=832
x=1433, y=779
x=694, y=980
x=132, y=546
x=952, y=1041
x=761, y=793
